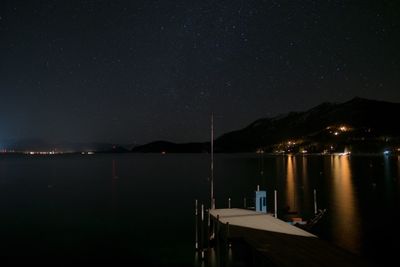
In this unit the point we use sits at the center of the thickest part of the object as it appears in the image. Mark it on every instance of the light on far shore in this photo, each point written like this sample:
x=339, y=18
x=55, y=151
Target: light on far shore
x=87, y=153
x=43, y=152
x=336, y=130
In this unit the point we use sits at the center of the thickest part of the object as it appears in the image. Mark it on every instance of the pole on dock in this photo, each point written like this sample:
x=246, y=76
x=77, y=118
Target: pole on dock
x=258, y=187
x=217, y=230
x=276, y=203
x=227, y=235
x=229, y=203
x=202, y=231
x=211, y=229
x=208, y=219
x=202, y=212
x=315, y=202
x=208, y=227
x=196, y=222
x=212, y=164
x=244, y=203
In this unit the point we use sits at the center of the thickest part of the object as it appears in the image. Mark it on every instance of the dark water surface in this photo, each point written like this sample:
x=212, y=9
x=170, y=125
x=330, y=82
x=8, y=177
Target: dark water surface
x=138, y=208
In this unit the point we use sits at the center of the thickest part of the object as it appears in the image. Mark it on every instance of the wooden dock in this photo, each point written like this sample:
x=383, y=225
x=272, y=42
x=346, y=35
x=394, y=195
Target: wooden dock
x=274, y=242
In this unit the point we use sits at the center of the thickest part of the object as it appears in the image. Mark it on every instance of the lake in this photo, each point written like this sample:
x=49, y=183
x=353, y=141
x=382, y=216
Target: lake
x=139, y=208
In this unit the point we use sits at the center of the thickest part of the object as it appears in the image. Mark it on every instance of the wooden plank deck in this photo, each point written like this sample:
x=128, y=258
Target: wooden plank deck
x=257, y=220
x=277, y=243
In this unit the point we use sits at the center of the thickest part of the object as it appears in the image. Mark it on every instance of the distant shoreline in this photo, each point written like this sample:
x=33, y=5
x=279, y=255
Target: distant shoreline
x=92, y=153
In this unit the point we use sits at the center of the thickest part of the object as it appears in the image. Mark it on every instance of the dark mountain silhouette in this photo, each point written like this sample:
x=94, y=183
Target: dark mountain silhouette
x=368, y=118
x=370, y=121
x=370, y=126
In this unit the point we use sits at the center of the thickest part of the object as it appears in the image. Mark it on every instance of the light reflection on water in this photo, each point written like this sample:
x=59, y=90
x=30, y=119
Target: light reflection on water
x=346, y=220
x=305, y=187
x=291, y=184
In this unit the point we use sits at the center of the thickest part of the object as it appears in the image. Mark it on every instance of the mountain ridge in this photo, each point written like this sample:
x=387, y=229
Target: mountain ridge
x=358, y=124
x=365, y=117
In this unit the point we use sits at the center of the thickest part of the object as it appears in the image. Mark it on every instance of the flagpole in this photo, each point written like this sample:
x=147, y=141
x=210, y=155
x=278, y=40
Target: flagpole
x=212, y=164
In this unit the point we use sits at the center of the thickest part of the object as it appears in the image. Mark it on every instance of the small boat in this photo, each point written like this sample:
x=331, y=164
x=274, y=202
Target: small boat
x=308, y=225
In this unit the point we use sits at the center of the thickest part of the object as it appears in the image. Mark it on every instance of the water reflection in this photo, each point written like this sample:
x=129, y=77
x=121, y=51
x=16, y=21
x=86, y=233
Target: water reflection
x=114, y=186
x=2, y=172
x=213, y=258
x=199, y=262
x=388, y=178
x=304, y=172
x=291, y=196
x=398, y=170
x=346, y=223
x=280, y=171
x=114, y=170
x=387, y=168
x=305, y=205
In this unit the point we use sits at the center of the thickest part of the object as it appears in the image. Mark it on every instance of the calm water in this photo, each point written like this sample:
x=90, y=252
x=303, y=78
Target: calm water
x=135, y=208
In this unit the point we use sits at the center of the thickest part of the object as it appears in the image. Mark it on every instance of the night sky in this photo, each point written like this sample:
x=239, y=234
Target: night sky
x=137, y=71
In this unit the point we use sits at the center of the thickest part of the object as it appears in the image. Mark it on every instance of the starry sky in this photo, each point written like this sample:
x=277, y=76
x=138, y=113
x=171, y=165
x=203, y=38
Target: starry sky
x=138, y=71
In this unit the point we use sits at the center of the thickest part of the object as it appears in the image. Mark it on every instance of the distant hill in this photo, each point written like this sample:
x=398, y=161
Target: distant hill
x=358, y=125
x=169, y=147
x=361, y=124
x=367, y=119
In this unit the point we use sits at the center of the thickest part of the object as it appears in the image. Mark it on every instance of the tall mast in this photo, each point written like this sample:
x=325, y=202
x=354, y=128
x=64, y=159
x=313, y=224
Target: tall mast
x=212, y=164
